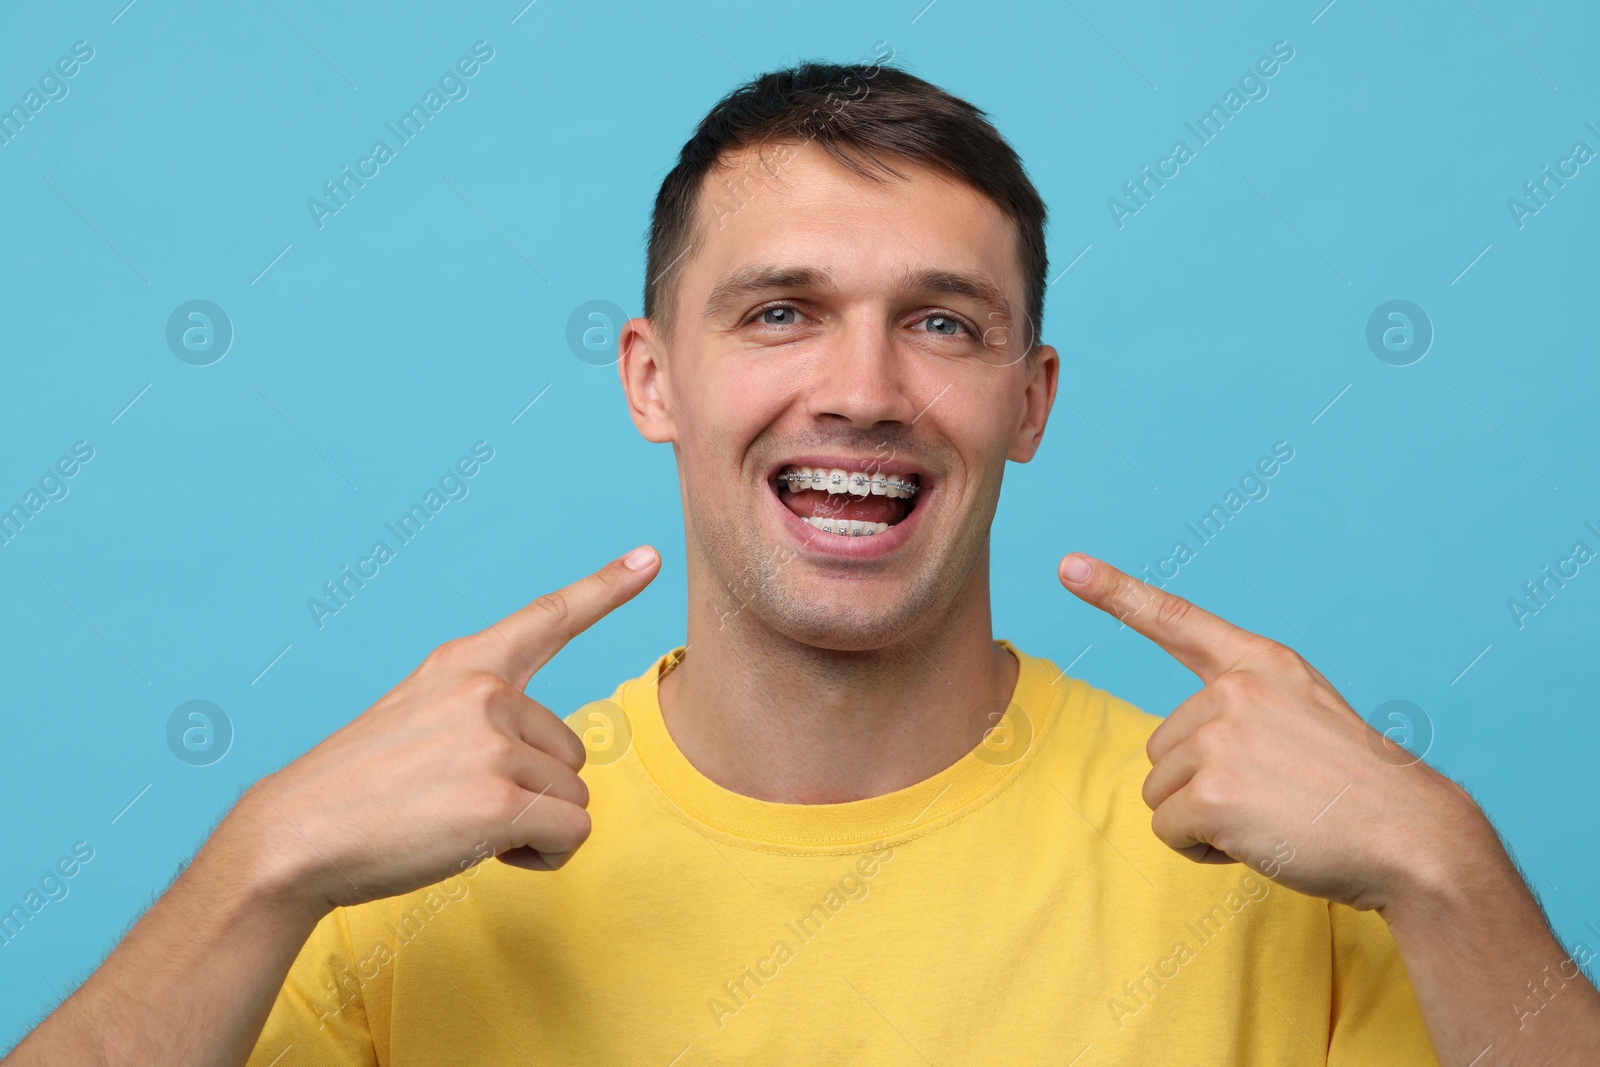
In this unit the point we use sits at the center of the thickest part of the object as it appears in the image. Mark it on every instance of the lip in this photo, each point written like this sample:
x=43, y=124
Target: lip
x=821, y=543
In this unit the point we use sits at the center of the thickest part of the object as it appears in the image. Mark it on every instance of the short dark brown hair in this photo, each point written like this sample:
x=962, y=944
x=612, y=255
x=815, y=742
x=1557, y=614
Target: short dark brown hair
x=859, y=113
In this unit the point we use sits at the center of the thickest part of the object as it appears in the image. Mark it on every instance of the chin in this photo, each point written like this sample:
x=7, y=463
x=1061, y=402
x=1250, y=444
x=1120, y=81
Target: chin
x=839, y=634
x=821, y=615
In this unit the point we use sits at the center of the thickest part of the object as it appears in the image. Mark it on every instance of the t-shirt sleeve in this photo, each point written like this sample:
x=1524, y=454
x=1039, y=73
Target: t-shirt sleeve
x=319, y=1017
x=1375, y=1018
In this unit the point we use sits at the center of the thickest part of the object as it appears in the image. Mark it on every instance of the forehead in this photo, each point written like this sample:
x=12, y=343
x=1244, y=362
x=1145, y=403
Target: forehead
x=791, y=203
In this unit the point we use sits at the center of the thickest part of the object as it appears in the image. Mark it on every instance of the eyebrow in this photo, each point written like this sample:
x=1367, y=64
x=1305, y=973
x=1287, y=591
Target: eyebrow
x=977, y=287
x=758, y=278
x=763, y=277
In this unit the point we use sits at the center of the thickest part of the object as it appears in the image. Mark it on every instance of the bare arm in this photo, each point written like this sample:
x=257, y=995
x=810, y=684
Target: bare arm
x=453, y=758
x=1494, y=985
x=1268, y=761
x=194, y=979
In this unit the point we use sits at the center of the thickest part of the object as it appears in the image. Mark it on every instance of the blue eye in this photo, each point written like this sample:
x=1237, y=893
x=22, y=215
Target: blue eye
x=944, y=325
x=778, y=316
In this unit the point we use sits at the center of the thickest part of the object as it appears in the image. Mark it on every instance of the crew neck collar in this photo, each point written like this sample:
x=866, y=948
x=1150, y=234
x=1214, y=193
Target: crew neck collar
x=853, y=826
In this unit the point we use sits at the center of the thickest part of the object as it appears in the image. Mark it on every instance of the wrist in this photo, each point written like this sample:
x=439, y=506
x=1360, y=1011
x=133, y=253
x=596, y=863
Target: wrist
x=266, y=861
x=1452, y=865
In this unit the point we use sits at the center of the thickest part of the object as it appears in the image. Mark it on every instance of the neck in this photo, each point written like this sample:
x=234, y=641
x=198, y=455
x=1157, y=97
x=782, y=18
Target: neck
x=776, y=719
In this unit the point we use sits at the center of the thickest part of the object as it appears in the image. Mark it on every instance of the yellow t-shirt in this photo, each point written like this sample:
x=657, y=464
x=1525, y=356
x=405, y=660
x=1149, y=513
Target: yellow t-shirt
x=1014, y=908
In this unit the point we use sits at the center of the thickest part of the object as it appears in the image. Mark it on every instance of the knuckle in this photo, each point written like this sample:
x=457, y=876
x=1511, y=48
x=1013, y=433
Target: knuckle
x=1147, y=792
x=1214, y=739
x=555, y=607
x=1159, y=742
x=500, y=800
x=494, y=750
x=1233, y=687
x=568, y=786
x=1172, y=611
x=481, y=689
x=1160, y=820
x=447, y=655
x=608, y=578
x=1281, y=657
x=575, y=753
x=1211, y=791
x=572, y=827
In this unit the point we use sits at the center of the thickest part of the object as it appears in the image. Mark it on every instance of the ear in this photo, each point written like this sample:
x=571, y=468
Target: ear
x=642, y=368
x=1038, y=397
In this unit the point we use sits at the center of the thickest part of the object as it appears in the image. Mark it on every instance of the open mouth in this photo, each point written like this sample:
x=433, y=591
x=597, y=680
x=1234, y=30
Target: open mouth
x=847, y=503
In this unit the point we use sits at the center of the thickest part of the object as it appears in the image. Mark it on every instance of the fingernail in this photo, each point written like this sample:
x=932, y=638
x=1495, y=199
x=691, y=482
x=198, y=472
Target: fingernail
x=639, y=558
x=1076, y=569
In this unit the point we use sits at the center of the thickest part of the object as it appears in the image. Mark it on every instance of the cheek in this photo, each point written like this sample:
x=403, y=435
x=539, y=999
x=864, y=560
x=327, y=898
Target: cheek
x=979, y=413
x=741, y=401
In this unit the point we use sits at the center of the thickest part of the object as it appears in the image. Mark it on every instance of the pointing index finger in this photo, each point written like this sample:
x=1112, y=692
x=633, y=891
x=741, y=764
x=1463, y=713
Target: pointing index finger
x=522, y=642
x=1205, y=643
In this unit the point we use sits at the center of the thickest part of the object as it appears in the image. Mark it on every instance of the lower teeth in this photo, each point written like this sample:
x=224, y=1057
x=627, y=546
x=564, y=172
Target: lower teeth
x=848, y=527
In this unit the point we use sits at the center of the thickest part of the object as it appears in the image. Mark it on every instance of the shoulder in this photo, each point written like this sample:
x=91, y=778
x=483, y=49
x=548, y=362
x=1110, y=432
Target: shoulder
x=1100, y=732
x=595, y=720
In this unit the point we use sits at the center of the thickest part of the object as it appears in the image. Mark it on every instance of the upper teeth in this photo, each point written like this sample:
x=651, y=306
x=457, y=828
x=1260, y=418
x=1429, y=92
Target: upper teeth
x=860, y=483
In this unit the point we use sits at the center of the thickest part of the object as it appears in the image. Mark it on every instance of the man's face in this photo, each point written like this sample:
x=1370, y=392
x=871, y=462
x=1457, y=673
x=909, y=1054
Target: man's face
x=828, y=323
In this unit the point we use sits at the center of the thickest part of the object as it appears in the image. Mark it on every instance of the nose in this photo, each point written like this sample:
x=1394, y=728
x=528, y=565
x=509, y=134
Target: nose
x=862, y=377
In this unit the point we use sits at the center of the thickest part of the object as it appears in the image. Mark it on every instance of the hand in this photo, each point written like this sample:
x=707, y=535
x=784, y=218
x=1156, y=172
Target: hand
x=451, y=766
x=1268, y=766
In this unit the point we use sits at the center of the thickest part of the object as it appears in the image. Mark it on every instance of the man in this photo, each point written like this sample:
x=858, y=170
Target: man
x=842, y=823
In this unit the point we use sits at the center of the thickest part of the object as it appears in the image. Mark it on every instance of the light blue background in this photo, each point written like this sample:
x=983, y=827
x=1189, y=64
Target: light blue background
x=425, y=316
